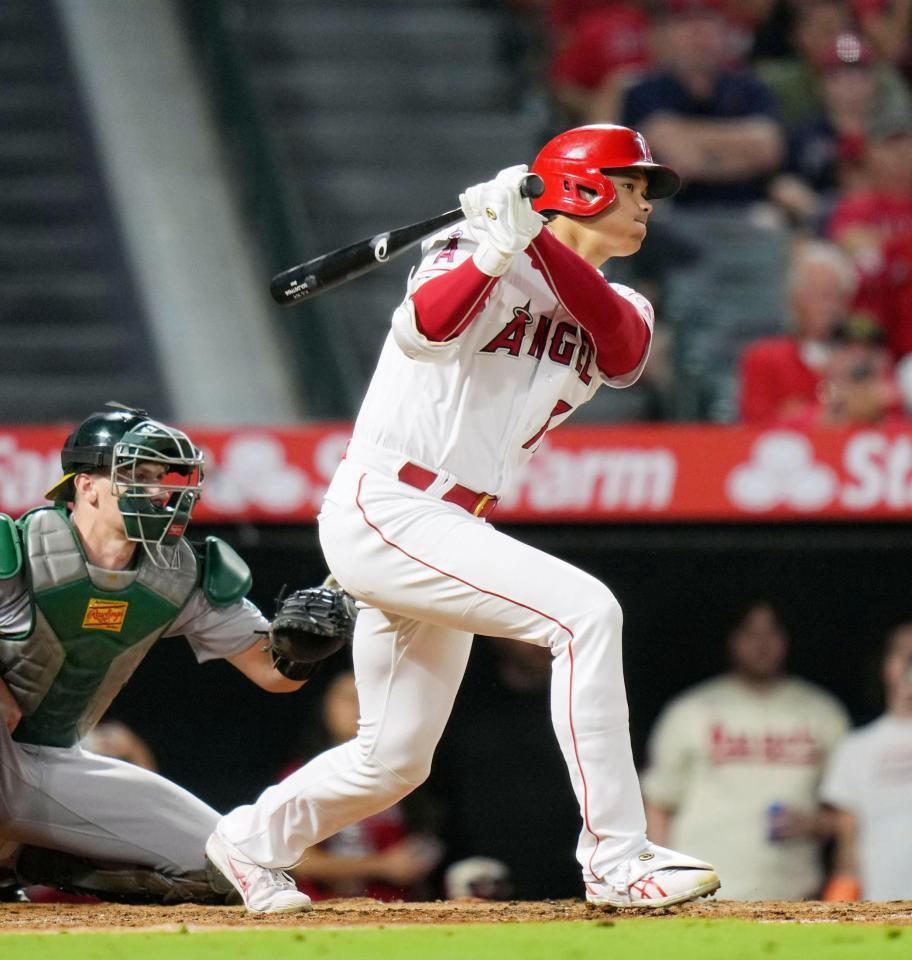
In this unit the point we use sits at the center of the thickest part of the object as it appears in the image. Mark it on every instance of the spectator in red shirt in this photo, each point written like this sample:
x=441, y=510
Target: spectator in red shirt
x=780, y=376
x=887, y=24
x=869, y=218
x=600, y=52
x=894, y=309
x=858, y=387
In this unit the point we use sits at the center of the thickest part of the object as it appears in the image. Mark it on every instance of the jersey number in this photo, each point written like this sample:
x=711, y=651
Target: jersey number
x=560, y=408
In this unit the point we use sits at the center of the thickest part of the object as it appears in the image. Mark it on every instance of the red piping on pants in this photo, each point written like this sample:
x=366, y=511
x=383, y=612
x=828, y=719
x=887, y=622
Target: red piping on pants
x=516, y=603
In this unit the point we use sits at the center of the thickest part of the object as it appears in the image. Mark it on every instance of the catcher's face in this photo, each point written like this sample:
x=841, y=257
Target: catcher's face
x=153, y=478
x=97, y=491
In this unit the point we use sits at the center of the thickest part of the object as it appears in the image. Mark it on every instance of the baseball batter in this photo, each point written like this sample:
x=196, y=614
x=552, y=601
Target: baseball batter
x=507, y=326
x=80, y=605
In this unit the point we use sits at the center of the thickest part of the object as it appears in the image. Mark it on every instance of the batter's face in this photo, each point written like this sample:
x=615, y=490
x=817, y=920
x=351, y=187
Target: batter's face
x=618, y=231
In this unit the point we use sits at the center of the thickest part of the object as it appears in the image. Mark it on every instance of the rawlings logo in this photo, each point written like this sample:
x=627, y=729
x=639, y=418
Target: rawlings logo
x=105, y=615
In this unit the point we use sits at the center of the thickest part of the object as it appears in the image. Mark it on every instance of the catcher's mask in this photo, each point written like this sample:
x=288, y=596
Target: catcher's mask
x=156, y=476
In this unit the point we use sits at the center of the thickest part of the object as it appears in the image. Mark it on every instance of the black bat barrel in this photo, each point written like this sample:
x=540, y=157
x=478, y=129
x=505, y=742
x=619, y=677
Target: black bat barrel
x=347, y=263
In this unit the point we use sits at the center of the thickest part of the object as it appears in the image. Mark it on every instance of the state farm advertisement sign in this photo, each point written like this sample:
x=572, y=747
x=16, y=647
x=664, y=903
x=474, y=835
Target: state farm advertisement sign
x=585, y=473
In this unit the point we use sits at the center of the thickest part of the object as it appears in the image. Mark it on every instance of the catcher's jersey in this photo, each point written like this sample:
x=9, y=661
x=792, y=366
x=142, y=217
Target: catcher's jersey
x=72, y=633
x=478, y=406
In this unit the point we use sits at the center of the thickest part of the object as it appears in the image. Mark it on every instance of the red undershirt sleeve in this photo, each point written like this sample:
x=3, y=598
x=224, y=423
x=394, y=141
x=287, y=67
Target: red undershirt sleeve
x=446, y=305
x=617, y=328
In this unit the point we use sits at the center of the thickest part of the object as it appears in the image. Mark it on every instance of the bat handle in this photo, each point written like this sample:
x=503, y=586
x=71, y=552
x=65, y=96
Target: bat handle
x=532, y=186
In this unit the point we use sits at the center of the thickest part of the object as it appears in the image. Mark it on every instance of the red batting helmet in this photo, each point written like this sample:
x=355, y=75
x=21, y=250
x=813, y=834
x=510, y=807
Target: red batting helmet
x=573, y=167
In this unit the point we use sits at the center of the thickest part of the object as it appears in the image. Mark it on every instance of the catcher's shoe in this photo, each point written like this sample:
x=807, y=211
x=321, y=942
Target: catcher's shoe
x=263, y=890
x=655, y=878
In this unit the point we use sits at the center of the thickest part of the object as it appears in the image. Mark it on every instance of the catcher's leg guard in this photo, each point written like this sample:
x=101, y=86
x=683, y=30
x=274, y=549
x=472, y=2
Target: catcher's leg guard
x=120, y=882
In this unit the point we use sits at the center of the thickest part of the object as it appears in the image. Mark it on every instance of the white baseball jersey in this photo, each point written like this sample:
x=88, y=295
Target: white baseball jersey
x=477, y=406
x=428, y=574
x=720, y=755
x=870, y=775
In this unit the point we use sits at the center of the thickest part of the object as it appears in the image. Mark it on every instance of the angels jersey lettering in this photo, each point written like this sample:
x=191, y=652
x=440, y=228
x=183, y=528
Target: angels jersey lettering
x=478, y=405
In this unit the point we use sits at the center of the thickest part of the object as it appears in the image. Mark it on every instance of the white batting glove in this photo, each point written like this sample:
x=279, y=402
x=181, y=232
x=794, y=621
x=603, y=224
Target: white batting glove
x=502, y=218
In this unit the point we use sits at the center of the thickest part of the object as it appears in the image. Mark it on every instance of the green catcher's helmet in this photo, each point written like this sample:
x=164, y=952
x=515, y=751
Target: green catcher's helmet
x=156, y=474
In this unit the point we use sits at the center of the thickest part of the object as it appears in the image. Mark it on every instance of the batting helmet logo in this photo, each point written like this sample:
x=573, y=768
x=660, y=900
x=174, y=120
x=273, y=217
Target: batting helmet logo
x=575, y=163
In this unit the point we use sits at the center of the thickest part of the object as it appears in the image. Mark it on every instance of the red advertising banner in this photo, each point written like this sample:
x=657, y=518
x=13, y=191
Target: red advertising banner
x=580, y=474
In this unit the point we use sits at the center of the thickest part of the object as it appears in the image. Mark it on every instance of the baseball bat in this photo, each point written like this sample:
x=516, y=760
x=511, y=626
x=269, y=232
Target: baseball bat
x=308, y=280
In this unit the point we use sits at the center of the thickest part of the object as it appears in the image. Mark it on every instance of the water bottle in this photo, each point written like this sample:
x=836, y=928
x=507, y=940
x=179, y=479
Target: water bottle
x=773, y=812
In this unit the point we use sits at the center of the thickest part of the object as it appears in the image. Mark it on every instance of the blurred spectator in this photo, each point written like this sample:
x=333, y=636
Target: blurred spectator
x=825, y=152
x=481, y=877
x=513, y=805
x=378, y=857
x=893, y=308
x=781, y=376
x=774, y=22
x=858, y=387
x=111, y=738
x=735, y=764
x=598, y=56
x=867, y=219
x=797, y=80
x=893, y=305
x=715, y=125
x=869, y=783
x=887, y=25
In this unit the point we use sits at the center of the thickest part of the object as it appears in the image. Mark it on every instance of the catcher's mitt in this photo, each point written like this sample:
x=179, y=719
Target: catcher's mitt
x=309, y=626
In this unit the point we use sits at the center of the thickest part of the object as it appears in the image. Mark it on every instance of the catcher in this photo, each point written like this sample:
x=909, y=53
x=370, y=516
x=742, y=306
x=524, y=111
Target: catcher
x=87, y=586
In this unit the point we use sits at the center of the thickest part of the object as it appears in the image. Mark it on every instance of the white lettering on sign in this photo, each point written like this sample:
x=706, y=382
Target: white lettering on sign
x=610, y=479
x=25, y=475
x=879, y=471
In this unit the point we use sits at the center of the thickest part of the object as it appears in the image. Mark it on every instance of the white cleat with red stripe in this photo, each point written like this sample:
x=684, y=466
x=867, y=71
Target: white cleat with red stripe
x=655, y=878
x=263, y=890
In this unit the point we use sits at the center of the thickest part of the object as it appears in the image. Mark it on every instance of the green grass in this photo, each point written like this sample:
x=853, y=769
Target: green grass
x=635, y=939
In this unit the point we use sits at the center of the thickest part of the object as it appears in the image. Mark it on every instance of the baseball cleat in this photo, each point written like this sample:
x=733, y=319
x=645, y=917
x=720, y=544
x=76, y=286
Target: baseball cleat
x=262, y=889
x=655, y=878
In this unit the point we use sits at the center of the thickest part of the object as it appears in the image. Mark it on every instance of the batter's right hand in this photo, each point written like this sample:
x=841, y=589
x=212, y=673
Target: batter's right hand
x=10, y=713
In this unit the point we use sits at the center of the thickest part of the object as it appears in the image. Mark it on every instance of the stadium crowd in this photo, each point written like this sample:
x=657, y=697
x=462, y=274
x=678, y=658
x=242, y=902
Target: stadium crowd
x=791, y=117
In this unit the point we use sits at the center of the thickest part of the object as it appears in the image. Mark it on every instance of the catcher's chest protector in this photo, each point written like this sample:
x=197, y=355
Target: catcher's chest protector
x=86, y=638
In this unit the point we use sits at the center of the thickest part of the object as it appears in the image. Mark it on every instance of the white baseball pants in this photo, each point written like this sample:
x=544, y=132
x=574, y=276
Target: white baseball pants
x=429, y=576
